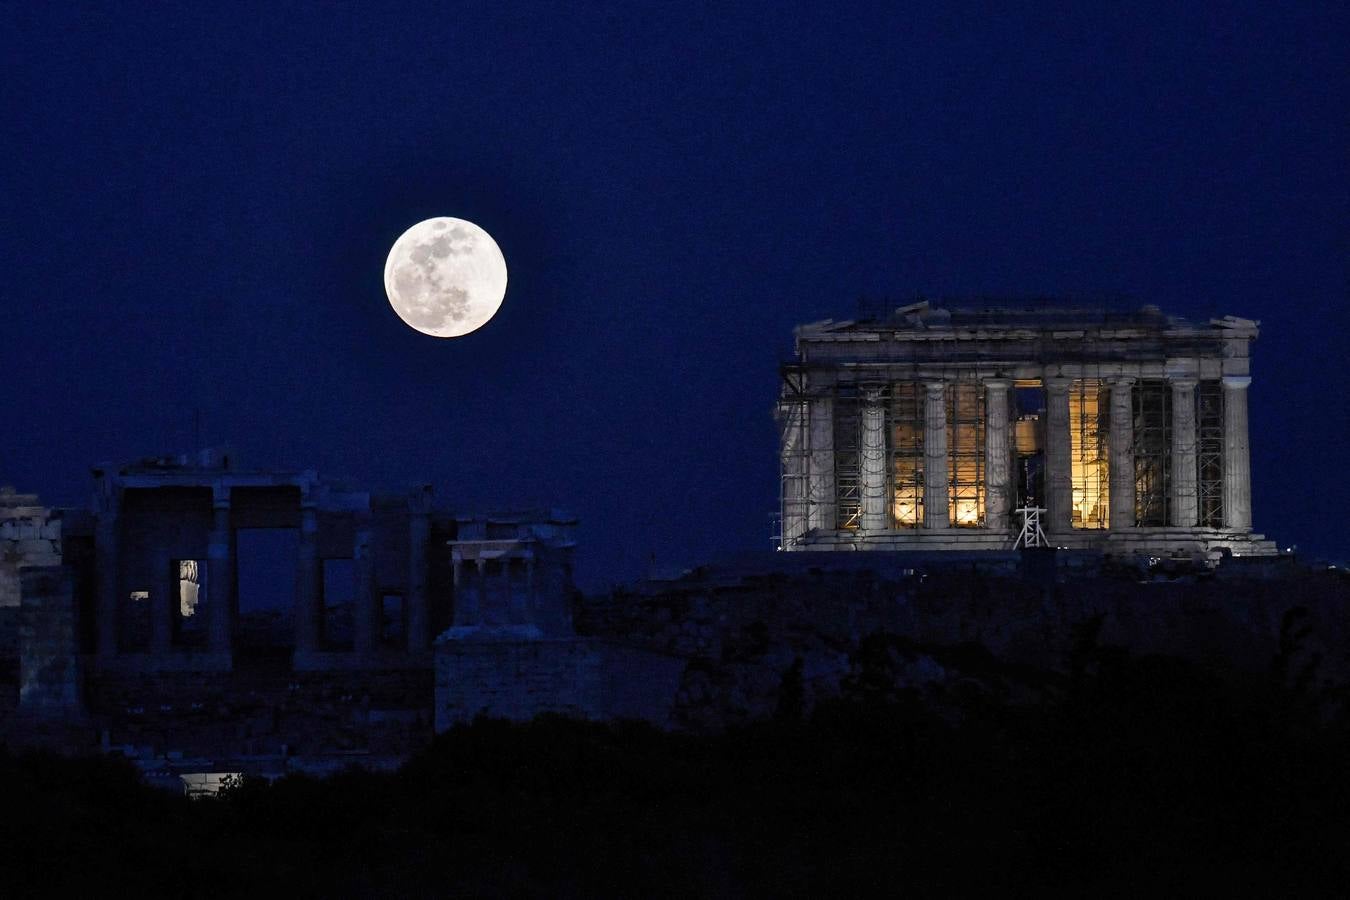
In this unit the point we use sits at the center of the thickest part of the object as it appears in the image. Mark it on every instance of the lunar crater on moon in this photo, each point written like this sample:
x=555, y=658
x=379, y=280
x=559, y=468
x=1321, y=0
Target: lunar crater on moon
x=445, y=277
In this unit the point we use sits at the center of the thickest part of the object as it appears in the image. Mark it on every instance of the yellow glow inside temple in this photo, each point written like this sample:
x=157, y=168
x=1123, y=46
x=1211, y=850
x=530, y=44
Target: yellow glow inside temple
x=967, y=512
x=1089, y=470
x=965, y=454
x=908, y=512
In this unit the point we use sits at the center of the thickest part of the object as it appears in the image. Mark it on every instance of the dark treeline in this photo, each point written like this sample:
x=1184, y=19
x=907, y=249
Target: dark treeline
x=1132, y=774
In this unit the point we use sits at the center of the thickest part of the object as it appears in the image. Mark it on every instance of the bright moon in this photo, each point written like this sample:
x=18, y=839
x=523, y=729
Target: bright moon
x=445, y=277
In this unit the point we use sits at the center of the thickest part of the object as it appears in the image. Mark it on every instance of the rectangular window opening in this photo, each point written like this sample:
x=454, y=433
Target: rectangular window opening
x=1152, y=403
x=1089, y=467
x=134, y=622
x=1209, y=453
x=266, y=590
x=906, y=432
x=392, y=625
x=190, y=603
x=965, y=454
x=848, y=457
x=339, y=604
x=1029, y=443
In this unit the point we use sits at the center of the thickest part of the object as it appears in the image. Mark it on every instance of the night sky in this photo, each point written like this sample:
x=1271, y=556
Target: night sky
x=199, y=199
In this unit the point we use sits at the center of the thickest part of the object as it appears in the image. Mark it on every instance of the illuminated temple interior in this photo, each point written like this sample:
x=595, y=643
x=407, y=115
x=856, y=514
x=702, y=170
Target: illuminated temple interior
x=935, y=428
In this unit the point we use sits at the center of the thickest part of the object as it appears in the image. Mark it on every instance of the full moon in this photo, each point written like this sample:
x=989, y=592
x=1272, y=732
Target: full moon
x=445, y=277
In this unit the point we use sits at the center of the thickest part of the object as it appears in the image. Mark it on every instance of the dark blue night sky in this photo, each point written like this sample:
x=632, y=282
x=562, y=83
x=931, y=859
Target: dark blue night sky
x=199, y=199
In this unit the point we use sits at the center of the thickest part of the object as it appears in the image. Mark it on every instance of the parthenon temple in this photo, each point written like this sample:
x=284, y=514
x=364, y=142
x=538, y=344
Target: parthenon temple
x=933, y=428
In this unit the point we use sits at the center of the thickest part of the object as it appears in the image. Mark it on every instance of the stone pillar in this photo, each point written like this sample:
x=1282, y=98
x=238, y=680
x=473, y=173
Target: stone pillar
x=1058, y=456
x=1237, y=464
x=108, y=560
x=872, y=462
x=484, y=606
x=463, y=593
x=308, y=584
x=1184, y=500
x=792, y=457
x=935, y=489
x=1121, y=463
x=365, y=605
x=531, y=595
x=998, y=487
x=822, y=512
x=220, y=572
x=419, y=533
x=49, y=652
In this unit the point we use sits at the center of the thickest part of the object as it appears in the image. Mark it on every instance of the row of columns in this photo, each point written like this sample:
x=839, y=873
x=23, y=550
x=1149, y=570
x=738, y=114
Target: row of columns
x=221, y=568
x=816, y=491
x=483, y=599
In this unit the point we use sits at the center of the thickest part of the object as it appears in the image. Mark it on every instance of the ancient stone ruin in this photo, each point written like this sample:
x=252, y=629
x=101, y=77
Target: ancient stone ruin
x=962, y=428
x=204, y=617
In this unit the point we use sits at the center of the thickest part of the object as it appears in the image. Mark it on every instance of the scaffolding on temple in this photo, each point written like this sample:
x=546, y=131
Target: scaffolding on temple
x=794, y=485
x=1031, y=534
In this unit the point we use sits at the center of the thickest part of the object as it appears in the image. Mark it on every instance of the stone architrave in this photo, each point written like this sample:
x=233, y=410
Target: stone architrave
x=873, y=462
x=1122, y=453
x=1184, y=500
x=1237, y=466
x=821, y=505
x=997, y=456
x=935, y=488
x=1058, y=456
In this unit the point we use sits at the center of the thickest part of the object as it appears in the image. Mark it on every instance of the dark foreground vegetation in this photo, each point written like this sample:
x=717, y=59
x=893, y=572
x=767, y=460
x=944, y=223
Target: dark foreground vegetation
x=1134, y=774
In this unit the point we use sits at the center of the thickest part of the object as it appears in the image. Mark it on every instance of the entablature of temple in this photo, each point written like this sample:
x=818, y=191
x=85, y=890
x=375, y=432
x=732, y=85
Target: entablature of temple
x=822, y=375
x=923, y=335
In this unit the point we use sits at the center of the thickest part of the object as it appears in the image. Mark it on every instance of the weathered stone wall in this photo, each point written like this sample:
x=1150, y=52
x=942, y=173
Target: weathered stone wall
x=580, y=677
x=245, y=713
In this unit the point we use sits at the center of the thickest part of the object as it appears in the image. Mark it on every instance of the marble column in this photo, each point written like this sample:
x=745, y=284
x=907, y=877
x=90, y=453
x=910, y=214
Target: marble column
x=792, y=425
x=821, y=505
x=365, y=605
x=935, y=489
x=1058, y=456
x=1184, y=500
x=419, y=533
x=1237, y=464
x=108, y=560
x=998, y=488
x=1121, y=459
x=220, y=570
x=872, y=462
x=308, y=586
